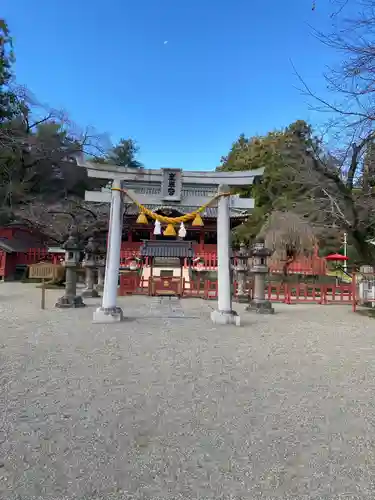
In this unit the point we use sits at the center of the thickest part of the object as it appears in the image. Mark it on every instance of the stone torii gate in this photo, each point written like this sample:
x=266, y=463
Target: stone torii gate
x=176, y=188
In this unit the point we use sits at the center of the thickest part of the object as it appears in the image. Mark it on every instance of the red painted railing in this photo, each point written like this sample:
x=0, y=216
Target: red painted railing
x=321, y=294
x=337, y=294
x=275, y=292
x=284, y=293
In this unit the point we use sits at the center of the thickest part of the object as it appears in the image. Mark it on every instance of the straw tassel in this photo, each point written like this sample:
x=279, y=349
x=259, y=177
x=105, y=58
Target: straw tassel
x=197, y=221
x=142, y=219
x=169, y=230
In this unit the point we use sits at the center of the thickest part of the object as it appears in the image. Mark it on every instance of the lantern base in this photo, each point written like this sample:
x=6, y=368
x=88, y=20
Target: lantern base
x=70, y=301
x=243, y=298
x=108, y=315
x=225, y=318
x=260, y=307
x=90, y=293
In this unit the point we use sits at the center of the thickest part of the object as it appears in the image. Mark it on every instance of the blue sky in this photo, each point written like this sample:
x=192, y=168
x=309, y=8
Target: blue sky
x=225, y=69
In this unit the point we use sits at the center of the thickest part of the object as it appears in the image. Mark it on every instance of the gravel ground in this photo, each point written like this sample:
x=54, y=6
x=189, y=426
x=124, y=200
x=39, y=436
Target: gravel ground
x=167, y=406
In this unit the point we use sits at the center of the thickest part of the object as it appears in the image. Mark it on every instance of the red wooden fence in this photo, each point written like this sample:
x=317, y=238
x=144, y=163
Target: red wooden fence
x=283, y=293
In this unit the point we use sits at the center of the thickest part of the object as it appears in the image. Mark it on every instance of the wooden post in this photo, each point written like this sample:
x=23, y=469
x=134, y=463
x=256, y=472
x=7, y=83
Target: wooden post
x=43, y=299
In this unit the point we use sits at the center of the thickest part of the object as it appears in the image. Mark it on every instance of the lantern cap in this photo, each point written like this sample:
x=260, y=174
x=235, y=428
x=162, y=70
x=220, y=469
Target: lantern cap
x=92, y=246
x=71, y=243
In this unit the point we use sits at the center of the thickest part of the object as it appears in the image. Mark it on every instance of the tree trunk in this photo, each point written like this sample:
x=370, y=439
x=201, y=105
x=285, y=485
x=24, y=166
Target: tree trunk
x=288, y=262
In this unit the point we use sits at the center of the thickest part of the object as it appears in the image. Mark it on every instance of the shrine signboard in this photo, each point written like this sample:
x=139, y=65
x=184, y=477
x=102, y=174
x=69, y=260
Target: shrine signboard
x=171, y=184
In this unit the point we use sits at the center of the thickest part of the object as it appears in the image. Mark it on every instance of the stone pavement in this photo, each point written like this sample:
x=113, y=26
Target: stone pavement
x=168, y=406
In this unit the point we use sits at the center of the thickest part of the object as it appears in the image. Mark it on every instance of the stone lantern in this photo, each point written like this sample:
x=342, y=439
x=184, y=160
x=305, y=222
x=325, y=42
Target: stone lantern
x=259, y=269
x=90, y=263
x=241, y=271
x=101, y=261
x=72, y=255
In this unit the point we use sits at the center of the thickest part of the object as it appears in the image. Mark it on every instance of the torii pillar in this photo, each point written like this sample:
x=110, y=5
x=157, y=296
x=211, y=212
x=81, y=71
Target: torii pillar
x=224, y=315
x=109, y=312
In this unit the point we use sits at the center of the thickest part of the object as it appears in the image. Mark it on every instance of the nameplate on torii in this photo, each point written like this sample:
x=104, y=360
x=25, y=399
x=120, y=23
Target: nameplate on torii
x=171, y=184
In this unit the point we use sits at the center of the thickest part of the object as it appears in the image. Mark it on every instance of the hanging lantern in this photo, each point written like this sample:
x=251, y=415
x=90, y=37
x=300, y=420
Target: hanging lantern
x=157, y=227
x=197, y=221
x=182, y=230
x=142, y=219
x=169, y=230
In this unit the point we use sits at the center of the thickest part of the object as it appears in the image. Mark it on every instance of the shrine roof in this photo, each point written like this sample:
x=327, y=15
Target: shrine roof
x=168, y=249
x=210, y=212
x=19, y=244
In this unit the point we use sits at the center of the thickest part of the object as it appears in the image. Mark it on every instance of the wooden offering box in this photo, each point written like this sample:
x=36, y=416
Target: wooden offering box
x=166, y=286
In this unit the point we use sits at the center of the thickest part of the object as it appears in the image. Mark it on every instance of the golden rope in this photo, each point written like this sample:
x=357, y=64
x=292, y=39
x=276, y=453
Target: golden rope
x=171, y=220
